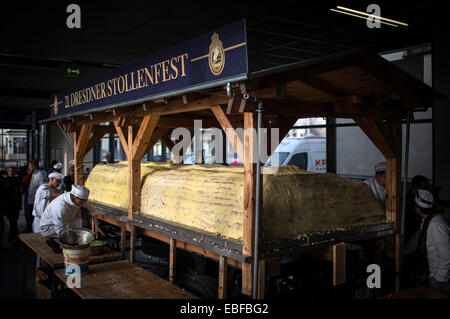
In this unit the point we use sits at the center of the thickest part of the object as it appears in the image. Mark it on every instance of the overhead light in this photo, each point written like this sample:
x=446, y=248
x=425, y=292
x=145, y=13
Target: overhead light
x=365, y=16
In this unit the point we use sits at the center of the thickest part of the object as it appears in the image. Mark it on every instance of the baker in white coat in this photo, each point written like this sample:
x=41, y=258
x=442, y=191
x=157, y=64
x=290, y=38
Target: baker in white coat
x=378, y=183
x=64, y=213
x=44, y=195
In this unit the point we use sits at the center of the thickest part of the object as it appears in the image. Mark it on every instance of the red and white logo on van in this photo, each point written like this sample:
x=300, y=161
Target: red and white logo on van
x=321, y=162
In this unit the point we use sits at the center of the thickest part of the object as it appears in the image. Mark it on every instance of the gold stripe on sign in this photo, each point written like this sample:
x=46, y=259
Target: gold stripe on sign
x=225, y=49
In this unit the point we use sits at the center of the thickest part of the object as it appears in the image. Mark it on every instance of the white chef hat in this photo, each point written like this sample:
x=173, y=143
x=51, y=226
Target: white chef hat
x=380, y=167
x=56, y=175
x=80, y=191
x=424, y=198
x=58, y=166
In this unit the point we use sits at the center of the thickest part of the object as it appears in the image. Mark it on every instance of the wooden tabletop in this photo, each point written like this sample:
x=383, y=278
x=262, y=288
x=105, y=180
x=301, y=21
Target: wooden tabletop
x=421, y=292
x=124, y=280
x=38, y=244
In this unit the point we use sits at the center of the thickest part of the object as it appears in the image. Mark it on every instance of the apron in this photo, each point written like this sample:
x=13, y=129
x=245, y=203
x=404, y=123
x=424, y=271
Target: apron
x=36, y=225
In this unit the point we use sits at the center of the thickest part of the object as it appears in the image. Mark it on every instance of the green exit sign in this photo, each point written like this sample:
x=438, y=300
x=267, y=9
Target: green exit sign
x=72, y=71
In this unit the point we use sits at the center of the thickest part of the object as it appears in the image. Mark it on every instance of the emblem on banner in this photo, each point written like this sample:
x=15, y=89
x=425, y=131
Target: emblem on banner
x=216, y=57
x=55, y=105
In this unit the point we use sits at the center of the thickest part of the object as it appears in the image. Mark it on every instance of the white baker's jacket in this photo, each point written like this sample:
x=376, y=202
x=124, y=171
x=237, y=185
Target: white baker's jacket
x=62, y=214
x=438, y=248
x=42, y=199
x=377, y=190
x=37, y=179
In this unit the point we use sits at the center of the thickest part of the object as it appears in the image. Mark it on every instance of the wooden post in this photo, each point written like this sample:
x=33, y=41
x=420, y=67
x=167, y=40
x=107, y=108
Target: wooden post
x=123, y=239
x=135, y=144
x=393, y=198
x=134, y=187
x=387, y=138
x=249, y=200
x=133, y=244
x=339, y=264
x=80, y=143
x=223, y=270
x=172, y=259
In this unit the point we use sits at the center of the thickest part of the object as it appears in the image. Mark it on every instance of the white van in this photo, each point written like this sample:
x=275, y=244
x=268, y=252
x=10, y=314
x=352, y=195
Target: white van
x=308, y=153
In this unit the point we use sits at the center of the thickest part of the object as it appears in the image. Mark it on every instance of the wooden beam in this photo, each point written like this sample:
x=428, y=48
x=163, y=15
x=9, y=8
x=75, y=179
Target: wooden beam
x=80, y=142
x=177, y=106
x=157, y=135
x=181, y=245
x=134, y=187
x=325, y=87
x=339, y=264
x=123, y=138
x=284, y=123
x=144, y=134
x=322, y=253
x=167, y=141
x=249, y=199
x=375, y=132
x=229, y=130
x=393, y=196
x=133, y=244
x=123, y=239
x=172, y=259
x=174, y=122
x=94, y=140
x=249, y=184
x=83, y=138
x=247, y=279
x=223, y=271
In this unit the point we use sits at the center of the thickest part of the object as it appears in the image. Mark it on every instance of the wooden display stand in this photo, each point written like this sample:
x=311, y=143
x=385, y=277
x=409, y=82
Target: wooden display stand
x=360, y=86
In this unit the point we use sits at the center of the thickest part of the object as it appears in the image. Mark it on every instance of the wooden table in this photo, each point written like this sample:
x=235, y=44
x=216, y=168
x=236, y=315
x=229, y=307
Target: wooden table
x=421, y=292
x=37, y=243
x=124, y=280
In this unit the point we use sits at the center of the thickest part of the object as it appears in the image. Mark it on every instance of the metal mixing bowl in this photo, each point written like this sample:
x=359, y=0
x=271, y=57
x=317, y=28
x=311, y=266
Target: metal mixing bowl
x=76, y=239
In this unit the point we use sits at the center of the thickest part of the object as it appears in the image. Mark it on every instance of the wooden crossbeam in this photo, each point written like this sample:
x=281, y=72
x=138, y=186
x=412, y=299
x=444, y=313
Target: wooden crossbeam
x=83, y=138
x=157, y=135
x=167, y=141
x=284, y=123
x=123, y=138
x=173, y=107
x=94, y=140
x=376, y=133
x=325, y=87
x=229, y=130
x=143, y=136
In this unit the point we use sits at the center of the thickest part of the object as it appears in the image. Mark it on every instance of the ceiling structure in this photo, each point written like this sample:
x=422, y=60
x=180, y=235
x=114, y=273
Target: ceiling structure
x=36, y=44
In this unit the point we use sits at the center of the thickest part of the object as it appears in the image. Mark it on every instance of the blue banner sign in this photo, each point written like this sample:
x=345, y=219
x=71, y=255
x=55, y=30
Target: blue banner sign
x=206, y=61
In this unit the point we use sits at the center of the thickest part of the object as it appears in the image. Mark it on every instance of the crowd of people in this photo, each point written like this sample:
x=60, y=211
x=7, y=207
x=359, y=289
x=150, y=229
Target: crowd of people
x=426, y=232
x=31, y=191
